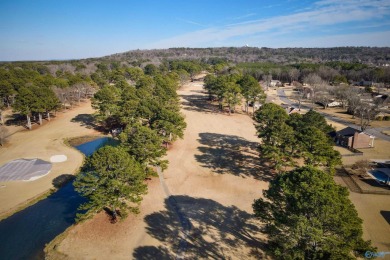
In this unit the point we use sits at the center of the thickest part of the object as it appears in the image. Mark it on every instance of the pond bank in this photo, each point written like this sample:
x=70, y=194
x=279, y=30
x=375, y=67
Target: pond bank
x=37, y=225
x=43, y=142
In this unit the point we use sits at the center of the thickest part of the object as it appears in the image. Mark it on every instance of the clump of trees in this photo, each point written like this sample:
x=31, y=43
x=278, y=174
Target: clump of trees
x=34, y=91
x=229, y=89
x=33, y=100
x=309, y=216
x=284, y=138
x=146, y=114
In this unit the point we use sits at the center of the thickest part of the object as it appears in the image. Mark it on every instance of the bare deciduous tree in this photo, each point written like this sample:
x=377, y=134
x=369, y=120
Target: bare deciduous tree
x=366, y=113
x=323, y=96
x=316, y=83
x=294, y=74
x=3, y=135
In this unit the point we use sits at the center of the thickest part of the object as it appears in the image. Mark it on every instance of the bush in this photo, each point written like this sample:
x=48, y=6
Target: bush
x=361, y=166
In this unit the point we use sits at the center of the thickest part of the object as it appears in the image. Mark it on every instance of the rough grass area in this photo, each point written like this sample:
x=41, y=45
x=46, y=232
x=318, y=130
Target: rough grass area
x=82, y=139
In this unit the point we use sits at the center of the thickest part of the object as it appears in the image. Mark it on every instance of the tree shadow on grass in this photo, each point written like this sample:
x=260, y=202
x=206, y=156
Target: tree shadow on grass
x=15, y=119
x=152, y=253
x=198, y=103
x=193, y=228
x=232, y=154
x=87, y=120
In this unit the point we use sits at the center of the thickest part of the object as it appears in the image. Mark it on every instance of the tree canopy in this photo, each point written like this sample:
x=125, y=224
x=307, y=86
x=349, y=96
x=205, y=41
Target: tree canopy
x=110, y=179
x=309, y=216
x=285, y=137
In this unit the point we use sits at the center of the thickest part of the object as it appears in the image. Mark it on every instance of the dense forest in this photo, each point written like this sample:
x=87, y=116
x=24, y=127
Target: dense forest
x=366, y=55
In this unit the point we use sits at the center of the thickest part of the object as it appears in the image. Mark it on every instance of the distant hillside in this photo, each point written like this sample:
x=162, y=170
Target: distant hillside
x=366, y=55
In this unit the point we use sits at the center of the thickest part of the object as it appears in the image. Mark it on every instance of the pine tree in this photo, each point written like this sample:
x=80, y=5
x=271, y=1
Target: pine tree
x=110, y=179
x=309, y=216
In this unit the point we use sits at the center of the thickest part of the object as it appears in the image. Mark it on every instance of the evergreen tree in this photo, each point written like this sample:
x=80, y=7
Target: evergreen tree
x=251, y=90
x=144, y=144
x=309, y=216
x=110, y=179
x=24, y=103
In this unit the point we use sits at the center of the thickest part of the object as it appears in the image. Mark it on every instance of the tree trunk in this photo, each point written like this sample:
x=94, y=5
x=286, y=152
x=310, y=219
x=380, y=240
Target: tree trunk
x=28, y=122
x=1, y=118
x=48, y=115
x=40, y=118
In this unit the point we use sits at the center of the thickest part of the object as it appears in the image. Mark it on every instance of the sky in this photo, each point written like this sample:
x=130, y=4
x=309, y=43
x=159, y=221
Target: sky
x=74, y=29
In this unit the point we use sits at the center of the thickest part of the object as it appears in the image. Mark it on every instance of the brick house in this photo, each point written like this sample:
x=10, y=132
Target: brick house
x=353, y=138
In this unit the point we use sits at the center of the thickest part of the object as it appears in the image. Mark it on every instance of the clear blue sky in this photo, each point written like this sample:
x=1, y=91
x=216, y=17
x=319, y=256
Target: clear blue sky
x=68, y=29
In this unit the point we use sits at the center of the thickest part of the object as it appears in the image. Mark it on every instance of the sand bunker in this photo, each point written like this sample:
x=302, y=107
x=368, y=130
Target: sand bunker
x=58, y=158
x=24, y=169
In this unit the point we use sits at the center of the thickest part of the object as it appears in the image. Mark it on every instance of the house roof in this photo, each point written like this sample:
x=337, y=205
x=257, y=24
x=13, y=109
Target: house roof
x=348, y=131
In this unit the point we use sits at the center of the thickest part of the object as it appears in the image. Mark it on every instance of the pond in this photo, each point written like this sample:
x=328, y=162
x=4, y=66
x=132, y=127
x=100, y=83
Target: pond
x=24, y=234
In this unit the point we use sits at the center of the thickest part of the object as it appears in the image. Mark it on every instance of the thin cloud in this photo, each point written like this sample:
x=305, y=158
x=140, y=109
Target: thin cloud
x=271, y=6
x=191, y=22
x=323, y=14
x=244, y=16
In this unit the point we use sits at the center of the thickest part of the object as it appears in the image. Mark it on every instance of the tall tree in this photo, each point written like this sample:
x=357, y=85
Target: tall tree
x=110, y=179
x=278, y=138
x=3, y=135
x=169, y=124
x=309, y=216
x=252, y=91
x=144, y=144
x=24, y=103
x=317, y=150
x=232, y=95
x=269, y=121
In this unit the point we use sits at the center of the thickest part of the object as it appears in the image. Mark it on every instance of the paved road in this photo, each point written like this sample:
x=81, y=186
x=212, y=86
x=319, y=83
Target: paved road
x=377, y=132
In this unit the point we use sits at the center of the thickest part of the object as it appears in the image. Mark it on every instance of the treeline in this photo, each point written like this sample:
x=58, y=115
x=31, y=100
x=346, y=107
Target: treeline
x=335, y=72
x=366, y=55
x=32, y=91
x=35, y=89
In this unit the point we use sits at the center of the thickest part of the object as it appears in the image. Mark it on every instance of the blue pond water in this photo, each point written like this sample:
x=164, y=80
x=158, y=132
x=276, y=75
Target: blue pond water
x=24, y=234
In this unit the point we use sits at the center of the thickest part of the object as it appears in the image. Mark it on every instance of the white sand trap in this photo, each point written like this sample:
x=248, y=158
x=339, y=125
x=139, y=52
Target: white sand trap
x=58, y=158
x=24, y=169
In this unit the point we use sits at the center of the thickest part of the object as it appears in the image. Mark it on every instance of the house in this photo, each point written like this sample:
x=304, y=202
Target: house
x=275, y=83
x=335, y=104
x=353, y=138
